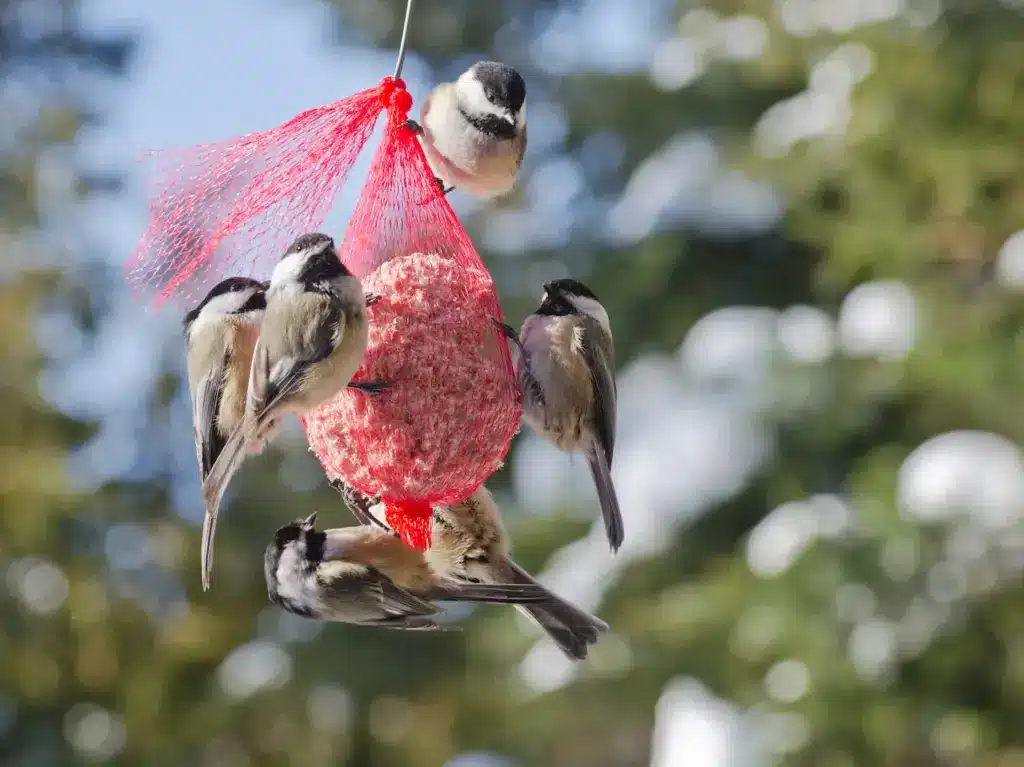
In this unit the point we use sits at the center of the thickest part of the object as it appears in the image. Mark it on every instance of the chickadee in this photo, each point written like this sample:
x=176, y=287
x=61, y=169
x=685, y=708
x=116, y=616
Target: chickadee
x=565, y=373
x=473, y=131
x=220, y=335
x=366, y=576
x=312, y=341
x=469, y=544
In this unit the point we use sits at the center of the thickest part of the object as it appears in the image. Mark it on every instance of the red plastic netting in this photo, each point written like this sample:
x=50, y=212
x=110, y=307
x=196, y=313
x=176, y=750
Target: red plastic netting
x=446, y=422
x=452, y=408
x=218, y=209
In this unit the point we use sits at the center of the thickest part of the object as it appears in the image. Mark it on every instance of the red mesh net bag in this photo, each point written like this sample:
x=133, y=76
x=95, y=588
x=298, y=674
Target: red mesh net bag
x=451, y=410
x=446, y=421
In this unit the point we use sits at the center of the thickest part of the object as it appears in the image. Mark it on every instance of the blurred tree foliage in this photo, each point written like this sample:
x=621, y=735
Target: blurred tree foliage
x=922, y=183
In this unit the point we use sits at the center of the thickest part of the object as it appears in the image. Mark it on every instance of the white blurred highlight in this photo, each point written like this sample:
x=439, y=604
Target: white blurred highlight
x=94, y=732
x=878, y=320
x=692, y=727
x=1010, y=261
x=253, y=667
x=39, y=584
x=964, y=473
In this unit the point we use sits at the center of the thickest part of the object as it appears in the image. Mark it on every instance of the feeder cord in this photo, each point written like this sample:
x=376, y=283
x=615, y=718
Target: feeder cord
x=405, y=38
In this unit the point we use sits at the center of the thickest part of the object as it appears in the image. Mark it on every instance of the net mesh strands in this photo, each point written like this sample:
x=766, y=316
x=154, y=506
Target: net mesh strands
x=232, y=207
x=446, y=422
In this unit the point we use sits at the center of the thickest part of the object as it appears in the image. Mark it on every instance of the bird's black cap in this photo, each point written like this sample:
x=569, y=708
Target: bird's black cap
x=308, y=241
x=556, y=297
x=230, y=285
x=503, y=86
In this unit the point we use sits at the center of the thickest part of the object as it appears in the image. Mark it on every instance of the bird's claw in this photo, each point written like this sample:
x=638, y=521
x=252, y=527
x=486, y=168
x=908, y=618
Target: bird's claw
x=414, y=126
x=370, y=387
x=506, y=329
x=511, y=334
x=358, y=503
x=372, y=298
x=444, y=189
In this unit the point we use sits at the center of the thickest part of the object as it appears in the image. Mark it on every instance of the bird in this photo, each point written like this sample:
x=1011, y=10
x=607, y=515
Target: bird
x=469, y=544
x=312, y=341
x=220, y=335
x=564, y=369
x=366, y=576
x=473, y=131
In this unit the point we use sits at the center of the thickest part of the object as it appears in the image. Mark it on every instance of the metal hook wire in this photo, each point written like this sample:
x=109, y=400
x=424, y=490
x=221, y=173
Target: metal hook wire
x=405, y=38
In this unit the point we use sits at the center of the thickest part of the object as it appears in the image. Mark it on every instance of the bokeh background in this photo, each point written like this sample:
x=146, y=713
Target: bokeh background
x=803, y=218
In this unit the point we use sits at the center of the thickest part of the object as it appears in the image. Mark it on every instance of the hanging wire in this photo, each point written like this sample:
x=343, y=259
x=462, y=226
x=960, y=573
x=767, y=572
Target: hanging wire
x=405, y=38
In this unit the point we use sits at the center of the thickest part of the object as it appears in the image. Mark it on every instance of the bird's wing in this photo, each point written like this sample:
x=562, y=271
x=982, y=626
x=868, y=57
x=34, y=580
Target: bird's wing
x=599, y=353
x=209, y=442
x=411, y=623
x=271, y=380
x=521, y=152
x=365, y=595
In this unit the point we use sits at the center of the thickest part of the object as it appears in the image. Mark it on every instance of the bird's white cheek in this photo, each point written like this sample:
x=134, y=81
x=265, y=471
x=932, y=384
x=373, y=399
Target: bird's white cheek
x=289, y=575
x=287, y=271
x=594, y=310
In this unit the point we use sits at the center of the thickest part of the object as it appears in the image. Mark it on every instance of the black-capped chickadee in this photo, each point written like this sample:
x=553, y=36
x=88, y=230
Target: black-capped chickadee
x=473, y=131
x=220, y=335
x=469, y=544
x=565, y=370
x=366, y=576
x=312, y=341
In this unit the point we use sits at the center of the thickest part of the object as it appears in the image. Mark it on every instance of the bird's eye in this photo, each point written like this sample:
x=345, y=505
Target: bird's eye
x=489, y=94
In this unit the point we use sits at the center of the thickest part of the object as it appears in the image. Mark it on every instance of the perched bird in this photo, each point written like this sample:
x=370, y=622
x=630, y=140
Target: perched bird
x=469, y=544
x=367, y=576
x=312, y=341
x=473, y=131
x=220, y=335
x=565, y=372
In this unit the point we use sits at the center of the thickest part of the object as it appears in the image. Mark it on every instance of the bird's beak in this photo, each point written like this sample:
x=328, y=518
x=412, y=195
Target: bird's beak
x=510, y=116
x=310, y=521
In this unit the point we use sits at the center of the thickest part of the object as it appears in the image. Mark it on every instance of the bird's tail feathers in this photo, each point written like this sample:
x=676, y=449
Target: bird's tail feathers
x=216, y=483
x=572, y=629
x=601, y=471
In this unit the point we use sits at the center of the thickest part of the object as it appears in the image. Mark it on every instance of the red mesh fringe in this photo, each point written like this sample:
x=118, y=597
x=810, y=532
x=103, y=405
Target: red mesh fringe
x=220, y=209
x=411, y=520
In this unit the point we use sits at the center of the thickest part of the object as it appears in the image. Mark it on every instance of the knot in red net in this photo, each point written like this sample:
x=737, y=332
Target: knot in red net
x=451, y=410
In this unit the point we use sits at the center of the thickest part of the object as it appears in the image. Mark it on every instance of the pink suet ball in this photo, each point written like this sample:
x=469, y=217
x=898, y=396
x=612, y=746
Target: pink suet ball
x=451, y=410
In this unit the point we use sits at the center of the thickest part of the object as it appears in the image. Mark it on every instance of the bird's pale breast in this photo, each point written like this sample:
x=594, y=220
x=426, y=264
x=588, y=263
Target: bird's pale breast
x=564, y=377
